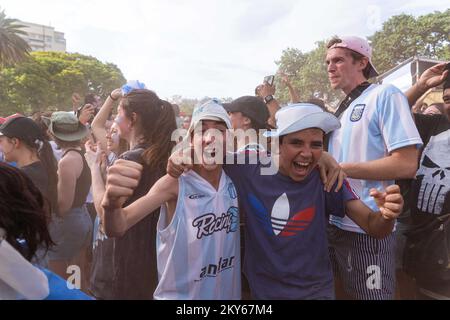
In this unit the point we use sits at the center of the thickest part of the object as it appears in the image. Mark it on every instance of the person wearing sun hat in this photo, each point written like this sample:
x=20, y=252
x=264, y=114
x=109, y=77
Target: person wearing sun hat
x=72, y=226
x=64, y=126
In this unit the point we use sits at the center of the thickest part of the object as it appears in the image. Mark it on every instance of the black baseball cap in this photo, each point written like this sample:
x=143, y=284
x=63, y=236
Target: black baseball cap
x=22, y=128
x=251, y=107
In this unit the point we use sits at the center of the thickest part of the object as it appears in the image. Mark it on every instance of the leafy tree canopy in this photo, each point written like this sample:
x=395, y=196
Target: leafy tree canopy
x=47, y=81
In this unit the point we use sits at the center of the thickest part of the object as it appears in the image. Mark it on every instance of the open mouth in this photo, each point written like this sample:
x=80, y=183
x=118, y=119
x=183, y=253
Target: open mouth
x=209, y=155
x=301, y=167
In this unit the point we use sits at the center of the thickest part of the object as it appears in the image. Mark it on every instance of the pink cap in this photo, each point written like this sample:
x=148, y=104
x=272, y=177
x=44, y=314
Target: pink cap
x=359, y=45
x=2, y=120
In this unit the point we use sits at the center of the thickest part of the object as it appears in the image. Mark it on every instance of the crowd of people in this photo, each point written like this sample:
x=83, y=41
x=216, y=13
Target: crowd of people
x=146, y=204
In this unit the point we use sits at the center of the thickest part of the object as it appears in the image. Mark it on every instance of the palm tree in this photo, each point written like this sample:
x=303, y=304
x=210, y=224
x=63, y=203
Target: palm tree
x=13, y=48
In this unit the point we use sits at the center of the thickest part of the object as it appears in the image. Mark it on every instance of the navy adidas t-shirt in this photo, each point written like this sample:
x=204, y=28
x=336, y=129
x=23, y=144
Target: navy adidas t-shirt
x=286, y=252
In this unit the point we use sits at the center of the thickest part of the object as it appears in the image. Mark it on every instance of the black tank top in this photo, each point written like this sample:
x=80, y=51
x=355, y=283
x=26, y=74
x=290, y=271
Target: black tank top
x=83, y=182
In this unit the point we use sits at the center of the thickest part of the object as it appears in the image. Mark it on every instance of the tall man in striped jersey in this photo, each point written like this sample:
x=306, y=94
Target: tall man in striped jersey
x=377, y=144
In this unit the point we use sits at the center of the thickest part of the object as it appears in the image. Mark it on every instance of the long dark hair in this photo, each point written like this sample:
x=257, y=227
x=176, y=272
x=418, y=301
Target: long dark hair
x=23, y=212
x=36, y=140
x=50, y=164
x=48, y=160
x=155, y=122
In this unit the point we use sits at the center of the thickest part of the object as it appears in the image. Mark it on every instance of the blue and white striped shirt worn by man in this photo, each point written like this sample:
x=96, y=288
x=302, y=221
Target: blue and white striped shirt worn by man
x=378, y=122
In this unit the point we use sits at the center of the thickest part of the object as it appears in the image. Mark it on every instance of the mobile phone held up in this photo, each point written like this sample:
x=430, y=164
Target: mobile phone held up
x=269, y=80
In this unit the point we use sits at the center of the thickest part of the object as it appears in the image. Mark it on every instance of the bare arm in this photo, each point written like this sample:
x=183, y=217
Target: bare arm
x=98, y=190
x=377, y=224
x=76, y=100
x=164, y=190
x=273, y=106
x=69, y=169
x=417, y=107
x=292, y=92
x=96, y=159
x=123, y=178
x=401, y=164
x=98, y=125
x=431, y=78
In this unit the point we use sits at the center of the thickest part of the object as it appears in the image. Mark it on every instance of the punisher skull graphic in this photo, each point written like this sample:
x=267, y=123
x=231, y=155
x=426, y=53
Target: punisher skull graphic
x=435, y=174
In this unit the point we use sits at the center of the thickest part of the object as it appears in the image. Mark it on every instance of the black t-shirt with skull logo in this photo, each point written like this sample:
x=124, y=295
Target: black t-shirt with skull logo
x=431, y=188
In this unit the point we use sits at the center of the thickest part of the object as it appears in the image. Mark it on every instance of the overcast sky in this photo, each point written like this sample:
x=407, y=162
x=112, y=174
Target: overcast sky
x=206, y=47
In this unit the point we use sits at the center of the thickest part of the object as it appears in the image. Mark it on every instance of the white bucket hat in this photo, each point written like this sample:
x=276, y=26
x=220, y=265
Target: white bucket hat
x=211, y=110
x=301, y=116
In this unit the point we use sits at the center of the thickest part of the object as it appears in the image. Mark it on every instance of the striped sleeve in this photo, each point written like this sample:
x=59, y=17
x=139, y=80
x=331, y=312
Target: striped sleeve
x=395, y=120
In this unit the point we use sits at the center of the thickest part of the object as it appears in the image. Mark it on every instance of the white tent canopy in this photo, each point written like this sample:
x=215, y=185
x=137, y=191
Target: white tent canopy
x=405, y=75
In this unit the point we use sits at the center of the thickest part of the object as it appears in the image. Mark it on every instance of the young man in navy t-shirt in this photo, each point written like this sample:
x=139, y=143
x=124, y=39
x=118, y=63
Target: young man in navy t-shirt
x=286, y=254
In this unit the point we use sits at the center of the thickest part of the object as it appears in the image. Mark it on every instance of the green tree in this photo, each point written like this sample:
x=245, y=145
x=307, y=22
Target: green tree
x=435, y=34
x=404, y=36
x=307, y=73
x=48, y=79
x=400, y=38
x=13, y=48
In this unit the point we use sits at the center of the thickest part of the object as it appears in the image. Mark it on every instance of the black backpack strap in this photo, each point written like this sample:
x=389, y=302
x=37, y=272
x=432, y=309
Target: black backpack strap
x=344, y=104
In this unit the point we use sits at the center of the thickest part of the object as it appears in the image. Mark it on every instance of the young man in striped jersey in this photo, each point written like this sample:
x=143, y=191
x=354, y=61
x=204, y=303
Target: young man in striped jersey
x=377, y=144
x=198, y=250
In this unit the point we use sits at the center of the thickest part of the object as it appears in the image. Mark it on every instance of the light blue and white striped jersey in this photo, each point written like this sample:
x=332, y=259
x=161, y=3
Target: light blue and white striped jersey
x=375, y=124
x=199, y=250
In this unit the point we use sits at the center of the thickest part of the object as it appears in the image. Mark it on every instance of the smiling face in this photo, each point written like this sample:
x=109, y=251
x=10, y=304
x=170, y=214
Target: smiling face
x=343, y=71
x=210, y=143
x=299, y=153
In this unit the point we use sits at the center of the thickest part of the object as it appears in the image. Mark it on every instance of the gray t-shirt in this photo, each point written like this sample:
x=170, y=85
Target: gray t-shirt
x=37, y=173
